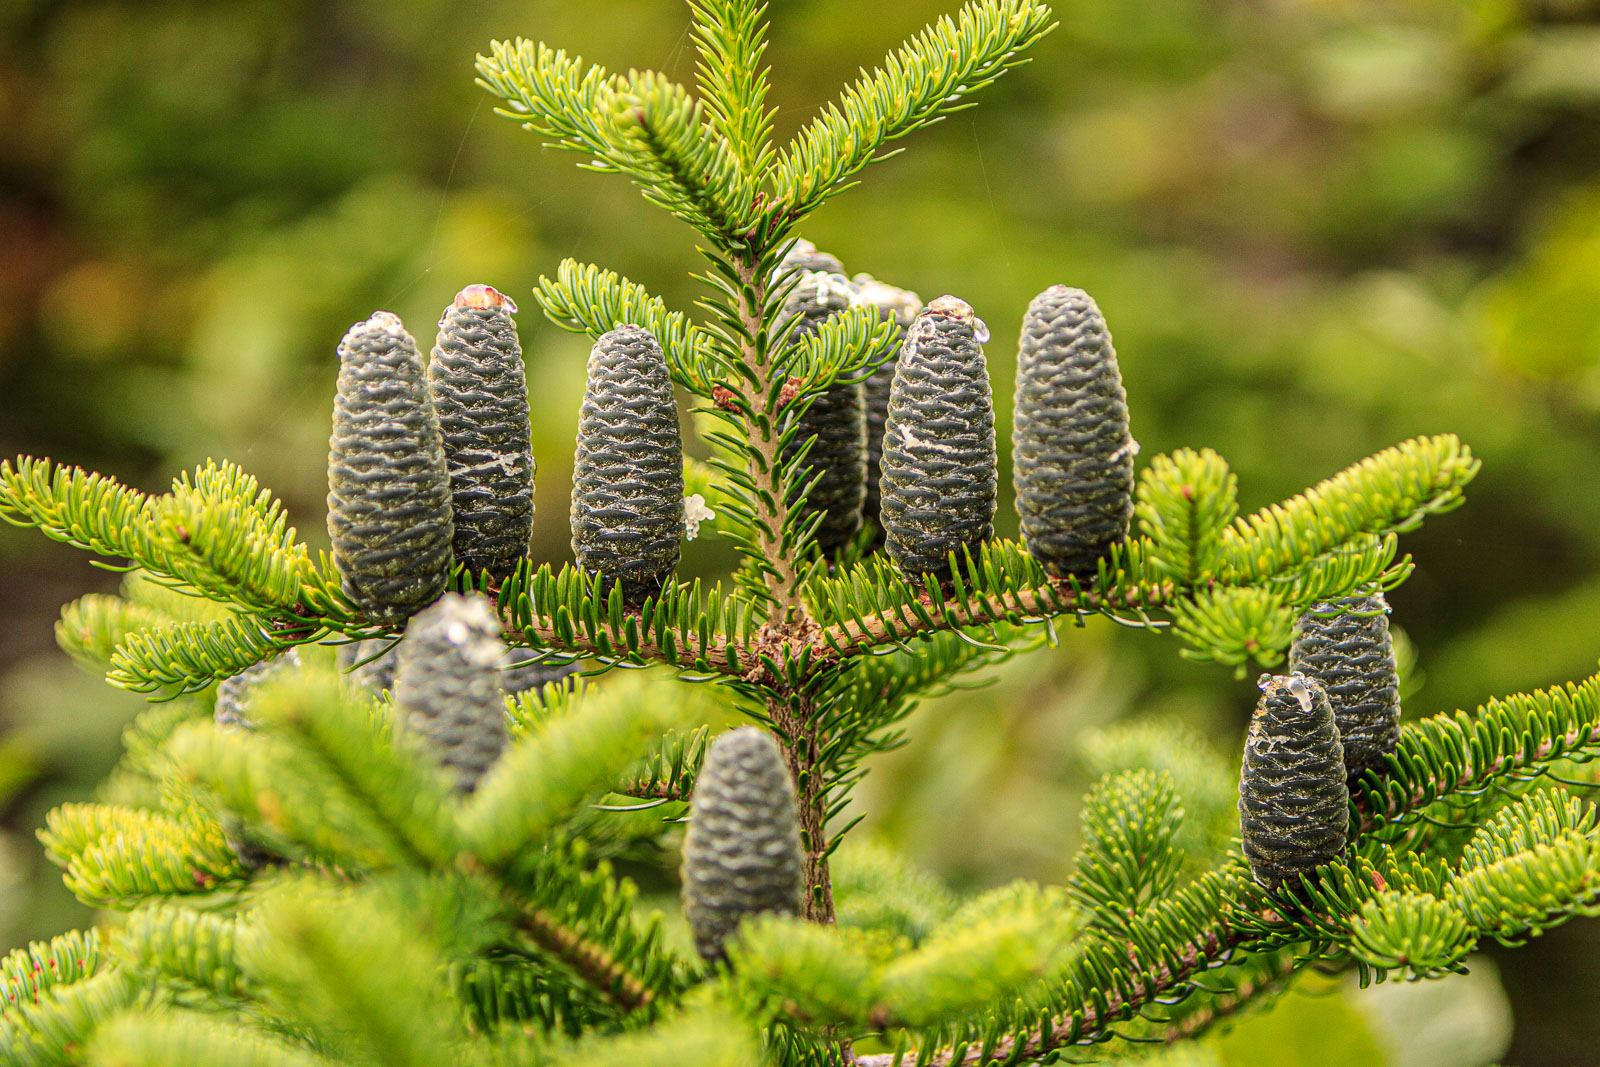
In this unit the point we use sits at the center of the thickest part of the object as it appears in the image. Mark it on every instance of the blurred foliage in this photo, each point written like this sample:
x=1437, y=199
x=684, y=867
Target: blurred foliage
x=1315, y=226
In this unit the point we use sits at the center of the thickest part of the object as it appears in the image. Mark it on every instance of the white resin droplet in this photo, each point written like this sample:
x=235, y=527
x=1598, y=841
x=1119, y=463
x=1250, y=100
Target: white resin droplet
x=695, y=512
x=1301, y=692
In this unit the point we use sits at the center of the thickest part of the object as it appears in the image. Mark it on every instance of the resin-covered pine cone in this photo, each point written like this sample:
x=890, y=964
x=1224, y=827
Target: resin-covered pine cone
x=939, y=480
x=741, y=855
x=899, y=306
x=388, y=485
x=836, y=418
x=1293, y=801
x=234, y=693
x=480, y=394
x=1071, y=449
x=627, y=494
x=1351, y=655
x=447, y=685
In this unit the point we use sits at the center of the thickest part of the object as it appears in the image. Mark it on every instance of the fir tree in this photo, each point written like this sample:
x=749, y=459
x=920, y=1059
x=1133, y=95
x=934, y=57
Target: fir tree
x=444, y=894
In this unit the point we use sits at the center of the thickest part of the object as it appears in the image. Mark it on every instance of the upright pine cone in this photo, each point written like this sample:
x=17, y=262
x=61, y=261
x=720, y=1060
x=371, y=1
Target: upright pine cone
x=480, y=392
x=232, y=711
x=234, y=693
x=742, y=853
x=447, y=685
x=388, y=485
x=939, y=480
x=1072, y=453
x=802, y=255
x=1351, y=655
x=899, y=306
x=1293, y=802
x=627, y=494
x=836, y=418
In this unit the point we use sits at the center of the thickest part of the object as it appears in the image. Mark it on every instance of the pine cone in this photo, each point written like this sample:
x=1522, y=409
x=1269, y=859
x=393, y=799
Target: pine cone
x=1072, y=454
x=523, y=671
x=742, y=853
x=899, y=306
x=480, y=393
x=447, y=685
x=388, y=485
x=939, y=480
x=836, y=418
x=369, y=663
x=1293, y=802
x=627, y=496
x=232, y=712
x=1352, y=657
x=233, y=694
x=802, y=255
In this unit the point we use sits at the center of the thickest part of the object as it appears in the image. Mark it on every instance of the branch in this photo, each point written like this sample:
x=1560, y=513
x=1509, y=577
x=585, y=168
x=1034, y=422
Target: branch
x=924, y=79
x=588, y=958
x=569, y=611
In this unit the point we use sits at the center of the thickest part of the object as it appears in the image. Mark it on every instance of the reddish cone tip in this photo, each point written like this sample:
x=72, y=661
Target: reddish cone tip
x=485, y=296
x=953, y=307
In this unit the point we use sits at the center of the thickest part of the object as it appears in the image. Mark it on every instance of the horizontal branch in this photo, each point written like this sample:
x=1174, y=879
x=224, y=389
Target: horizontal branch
x=588, y=959
x=928, y=615
x=1209, y=947
x=716, y=655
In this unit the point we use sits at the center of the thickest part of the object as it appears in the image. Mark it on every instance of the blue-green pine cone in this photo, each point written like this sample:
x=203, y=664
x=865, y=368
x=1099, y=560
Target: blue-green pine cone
x=447, y=687
x=234, y=693
x=232, y=711
x=480, y=394
x=1072, y=453
x=836, y=418
x=627, y=493
x=741, y=855
x=1352, y=656
x=802, y=255
x=939, y=481
x=1294, y=806
x=388, y=484
x=899, y=306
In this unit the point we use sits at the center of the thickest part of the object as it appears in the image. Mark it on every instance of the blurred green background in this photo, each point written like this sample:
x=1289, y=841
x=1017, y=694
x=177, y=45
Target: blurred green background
x=1315, y=226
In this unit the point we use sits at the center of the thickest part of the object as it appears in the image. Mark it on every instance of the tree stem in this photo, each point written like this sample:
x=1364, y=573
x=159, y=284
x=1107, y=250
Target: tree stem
x=789, y=626
x=773, y=513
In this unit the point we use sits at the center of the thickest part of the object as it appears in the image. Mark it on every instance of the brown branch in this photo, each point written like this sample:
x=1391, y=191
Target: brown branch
x=719, y=654
x=981, y=608
x=645, y=789
x=1226, y=1005
x=1207, y=948
x=587, y=958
